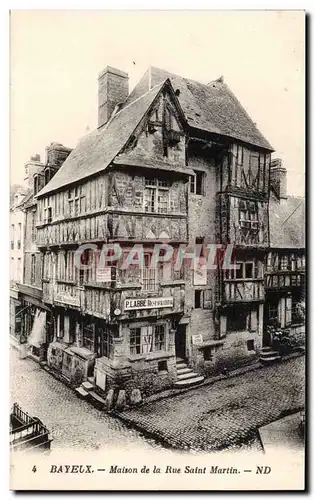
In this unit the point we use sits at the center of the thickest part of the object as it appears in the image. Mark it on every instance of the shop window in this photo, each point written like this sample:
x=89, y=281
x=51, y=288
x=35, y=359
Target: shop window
x=61, y=325
x=162, y=366
x=135, y=340
x=147, y=339
x=273, y=312
x=197, y=299
x=108, y=344
x=237, y=319
x=250, y=345
x=88, y=337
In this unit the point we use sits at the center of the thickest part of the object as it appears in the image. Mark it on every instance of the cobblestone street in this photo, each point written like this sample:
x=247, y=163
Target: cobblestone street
x=74, y=424
x=227, y=413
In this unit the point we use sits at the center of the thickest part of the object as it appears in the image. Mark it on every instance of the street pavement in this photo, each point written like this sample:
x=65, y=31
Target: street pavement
x=74, y=423
x=227, y=413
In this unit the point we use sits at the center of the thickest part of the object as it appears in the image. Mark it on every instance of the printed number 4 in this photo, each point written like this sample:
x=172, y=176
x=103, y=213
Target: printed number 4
x=34, y=468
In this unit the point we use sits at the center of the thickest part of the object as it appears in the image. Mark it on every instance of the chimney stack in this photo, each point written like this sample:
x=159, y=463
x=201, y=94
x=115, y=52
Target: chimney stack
x=56, y=154
x=113, y=89
x=278, y=178
x=31, y=167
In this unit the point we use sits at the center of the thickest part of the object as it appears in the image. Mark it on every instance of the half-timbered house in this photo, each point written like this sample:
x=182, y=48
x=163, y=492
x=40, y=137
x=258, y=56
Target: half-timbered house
x=174, y=162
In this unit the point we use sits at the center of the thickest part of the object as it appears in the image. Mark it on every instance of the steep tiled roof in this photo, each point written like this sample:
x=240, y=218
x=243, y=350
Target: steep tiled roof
x=28, y=196
x=98, y=149
x=287, y=222
x=213, y=107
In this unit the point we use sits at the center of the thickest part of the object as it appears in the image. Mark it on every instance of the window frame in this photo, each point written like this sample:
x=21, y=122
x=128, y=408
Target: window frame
x=156, y=186
x=33, y=269
x=147, y=339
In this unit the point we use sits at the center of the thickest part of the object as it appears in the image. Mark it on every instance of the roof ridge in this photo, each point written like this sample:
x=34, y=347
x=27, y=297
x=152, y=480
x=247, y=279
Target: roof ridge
x=138, y=98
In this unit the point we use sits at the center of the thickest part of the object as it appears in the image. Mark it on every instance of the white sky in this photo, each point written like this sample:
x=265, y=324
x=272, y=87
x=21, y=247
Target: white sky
x=57, y=55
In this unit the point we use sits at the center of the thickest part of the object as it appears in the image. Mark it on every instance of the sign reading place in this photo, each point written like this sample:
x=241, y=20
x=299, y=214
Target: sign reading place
x=148, y=303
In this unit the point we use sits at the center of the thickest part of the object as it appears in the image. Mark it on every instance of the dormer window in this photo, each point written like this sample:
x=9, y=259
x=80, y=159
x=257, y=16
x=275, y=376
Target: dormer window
x=47, y=175
x=35, y=184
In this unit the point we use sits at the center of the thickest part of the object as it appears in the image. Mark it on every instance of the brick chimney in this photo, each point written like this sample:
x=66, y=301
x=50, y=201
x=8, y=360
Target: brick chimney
x=113, y=89
x=56, y=154
x=278, y=178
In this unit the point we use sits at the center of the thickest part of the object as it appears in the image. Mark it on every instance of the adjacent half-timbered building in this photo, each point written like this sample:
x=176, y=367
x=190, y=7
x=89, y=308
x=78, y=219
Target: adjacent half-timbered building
x=285, y=260
x=174, y=162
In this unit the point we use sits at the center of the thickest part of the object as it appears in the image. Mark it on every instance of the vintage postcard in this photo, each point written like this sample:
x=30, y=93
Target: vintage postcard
x=157, y=250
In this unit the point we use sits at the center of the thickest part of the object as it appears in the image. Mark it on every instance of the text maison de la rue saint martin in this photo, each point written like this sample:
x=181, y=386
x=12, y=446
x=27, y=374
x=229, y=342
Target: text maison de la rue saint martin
x=187, y=469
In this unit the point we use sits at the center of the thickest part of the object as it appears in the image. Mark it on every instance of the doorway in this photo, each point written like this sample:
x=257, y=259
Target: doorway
x=180, y=341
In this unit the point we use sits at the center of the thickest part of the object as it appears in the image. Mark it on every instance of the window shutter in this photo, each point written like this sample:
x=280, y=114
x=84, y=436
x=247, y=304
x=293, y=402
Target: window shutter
x=207, y=299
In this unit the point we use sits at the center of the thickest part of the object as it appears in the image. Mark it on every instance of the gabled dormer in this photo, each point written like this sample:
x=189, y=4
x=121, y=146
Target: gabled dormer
x=160, y=135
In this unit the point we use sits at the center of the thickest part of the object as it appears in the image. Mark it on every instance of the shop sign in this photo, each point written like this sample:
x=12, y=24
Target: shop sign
x=67, y=299
x=104, y=275
x=197, y=339
x=148, y=303
x=200, y=275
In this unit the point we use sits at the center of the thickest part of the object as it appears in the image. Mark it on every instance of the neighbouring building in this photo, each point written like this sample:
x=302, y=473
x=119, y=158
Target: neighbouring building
x=176, y=162
x=285, y=261
x=32, y=316
x=17, y=221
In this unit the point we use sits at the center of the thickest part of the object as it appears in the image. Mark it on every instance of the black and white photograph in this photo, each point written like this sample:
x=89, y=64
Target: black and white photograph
x=157, y=250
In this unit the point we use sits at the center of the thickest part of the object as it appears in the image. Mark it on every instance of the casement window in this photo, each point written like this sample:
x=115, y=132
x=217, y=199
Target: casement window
x=248, y=215
x=33, y=226
x=239, y=155
x=284, y=262
x=33, y=268
x=156, y=196
x=197, y=182
x=147, y=339
x=47, y=266
x=47, y=211
x=19, y=236
x=245, y=270
x=71, y=202
x=203, y=299
x=148, y=274
x=269, y=261
x=66, y=267
x=79, y=200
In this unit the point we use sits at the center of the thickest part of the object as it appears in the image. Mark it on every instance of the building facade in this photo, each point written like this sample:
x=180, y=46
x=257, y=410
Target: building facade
x=165, y=167
x=32, y=317
x=285, y=260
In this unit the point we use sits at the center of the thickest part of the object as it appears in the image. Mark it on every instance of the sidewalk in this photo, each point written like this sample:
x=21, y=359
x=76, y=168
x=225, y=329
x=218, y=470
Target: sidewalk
x=223, y=414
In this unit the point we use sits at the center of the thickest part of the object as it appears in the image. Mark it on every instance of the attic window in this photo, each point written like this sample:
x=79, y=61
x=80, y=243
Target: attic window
x=35, y=184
